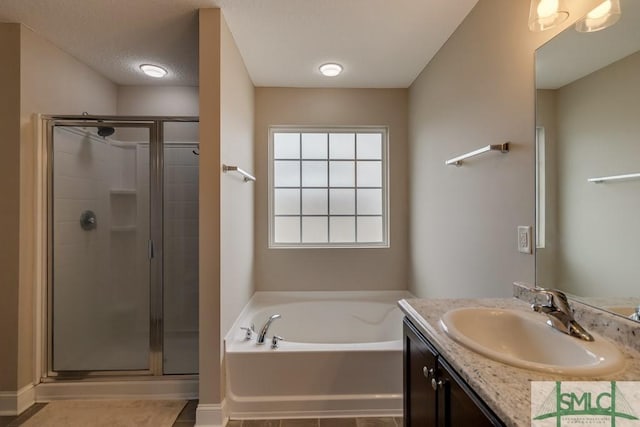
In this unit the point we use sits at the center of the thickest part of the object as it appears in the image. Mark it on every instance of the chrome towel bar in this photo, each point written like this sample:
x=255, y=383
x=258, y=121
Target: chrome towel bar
x=602, y=179
x=246, y=175
x=503, y=148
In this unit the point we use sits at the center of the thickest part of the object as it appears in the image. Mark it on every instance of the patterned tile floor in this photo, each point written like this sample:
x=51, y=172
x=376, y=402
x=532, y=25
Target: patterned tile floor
x=187, y=418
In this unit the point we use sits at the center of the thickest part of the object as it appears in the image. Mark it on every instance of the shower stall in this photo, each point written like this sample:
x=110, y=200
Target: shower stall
x=122, y=282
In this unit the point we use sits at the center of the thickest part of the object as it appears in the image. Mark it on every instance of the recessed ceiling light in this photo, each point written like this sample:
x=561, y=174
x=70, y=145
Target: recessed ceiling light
x=153, y=70
x=330, y=69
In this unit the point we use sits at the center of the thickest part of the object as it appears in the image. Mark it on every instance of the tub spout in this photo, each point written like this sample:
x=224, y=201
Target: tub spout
x=265, y=328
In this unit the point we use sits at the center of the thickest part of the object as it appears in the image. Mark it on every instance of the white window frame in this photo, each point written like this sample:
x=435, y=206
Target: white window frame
x=385, y=243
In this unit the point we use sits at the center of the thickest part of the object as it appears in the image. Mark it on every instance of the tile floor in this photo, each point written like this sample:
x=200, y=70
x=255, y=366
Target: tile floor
x=187, y=418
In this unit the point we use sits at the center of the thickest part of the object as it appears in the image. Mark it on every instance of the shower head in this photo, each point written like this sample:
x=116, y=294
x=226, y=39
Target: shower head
x=105, y=131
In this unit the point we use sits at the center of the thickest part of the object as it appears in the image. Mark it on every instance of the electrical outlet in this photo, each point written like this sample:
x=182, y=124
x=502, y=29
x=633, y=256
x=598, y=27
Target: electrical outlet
x=524, y=239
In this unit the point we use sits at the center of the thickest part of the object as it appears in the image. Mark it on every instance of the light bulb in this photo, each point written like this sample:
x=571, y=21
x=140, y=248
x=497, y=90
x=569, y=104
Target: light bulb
x=545, y=14
x=547, y=8
x=600, y=11
x=600, y=17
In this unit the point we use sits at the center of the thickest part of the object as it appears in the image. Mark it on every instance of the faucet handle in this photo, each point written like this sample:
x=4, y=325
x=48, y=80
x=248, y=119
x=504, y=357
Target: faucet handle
x=275, y=341
x=248, y=331
x=555, y=298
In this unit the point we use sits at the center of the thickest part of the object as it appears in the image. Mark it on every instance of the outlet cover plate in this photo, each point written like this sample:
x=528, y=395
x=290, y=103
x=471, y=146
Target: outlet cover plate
x=524, y=239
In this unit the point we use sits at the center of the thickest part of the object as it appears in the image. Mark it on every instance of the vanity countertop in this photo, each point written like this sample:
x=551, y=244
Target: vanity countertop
x=504, y=388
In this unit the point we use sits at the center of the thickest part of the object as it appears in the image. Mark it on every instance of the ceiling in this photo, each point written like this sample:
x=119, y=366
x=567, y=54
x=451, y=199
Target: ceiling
x=380, y=43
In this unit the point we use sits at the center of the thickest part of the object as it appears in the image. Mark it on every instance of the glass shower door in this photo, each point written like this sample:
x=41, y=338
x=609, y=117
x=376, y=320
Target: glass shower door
x=100, y=296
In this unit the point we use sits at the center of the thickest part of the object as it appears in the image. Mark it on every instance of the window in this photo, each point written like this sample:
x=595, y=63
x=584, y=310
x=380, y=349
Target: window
x=328, y=187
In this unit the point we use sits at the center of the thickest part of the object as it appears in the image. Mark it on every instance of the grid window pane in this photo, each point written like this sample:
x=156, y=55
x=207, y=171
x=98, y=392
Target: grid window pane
x=286, y=174
x=314, y=201
x=369, y=202
x=342, y=145
x=314, y=174
x=286, y=146
x=286, y=229
x=342, y=174
x=315, y=229
x=342, y=229
x=370, y=146
x=314, y=145
x=342, y=202
x=286, y=202
x=369, y=174
x=329, y=187
x=370, y=229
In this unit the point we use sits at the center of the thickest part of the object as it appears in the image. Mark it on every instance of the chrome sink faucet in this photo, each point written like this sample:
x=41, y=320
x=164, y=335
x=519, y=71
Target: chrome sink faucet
x=265, y=328
x=560, y=313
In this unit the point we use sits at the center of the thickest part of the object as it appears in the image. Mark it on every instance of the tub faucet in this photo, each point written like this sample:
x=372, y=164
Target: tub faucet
x=560, y=313
x=265, y=328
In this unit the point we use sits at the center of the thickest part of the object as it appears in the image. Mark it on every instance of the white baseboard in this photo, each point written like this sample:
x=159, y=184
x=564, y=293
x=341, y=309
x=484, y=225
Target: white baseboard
x=125, y=389
x=208, y=415
x=15, y=402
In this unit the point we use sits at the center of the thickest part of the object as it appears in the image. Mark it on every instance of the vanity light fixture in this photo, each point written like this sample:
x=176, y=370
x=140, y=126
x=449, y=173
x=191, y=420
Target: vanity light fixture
x=545, y=14
x=602, y=16
x=155, y=71
x=331, y=69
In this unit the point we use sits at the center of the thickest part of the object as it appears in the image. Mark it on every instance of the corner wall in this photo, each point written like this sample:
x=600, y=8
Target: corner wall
x=345, y=269
x=226, y=203
x=10, y=207
x=477, y=90
x=209, y=215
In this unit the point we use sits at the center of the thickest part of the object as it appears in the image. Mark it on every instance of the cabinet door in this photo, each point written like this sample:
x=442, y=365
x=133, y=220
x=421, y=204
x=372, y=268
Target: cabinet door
x=458, y=405
x=419, y=397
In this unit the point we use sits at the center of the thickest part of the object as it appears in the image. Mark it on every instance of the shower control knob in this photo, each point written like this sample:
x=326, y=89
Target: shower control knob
x=88, y=220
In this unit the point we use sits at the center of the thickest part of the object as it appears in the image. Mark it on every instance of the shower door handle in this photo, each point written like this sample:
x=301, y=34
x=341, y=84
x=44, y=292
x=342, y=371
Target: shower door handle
x=150, y=249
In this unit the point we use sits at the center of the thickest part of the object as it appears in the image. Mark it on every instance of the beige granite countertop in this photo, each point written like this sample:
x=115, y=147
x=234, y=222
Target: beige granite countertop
x=506, y=389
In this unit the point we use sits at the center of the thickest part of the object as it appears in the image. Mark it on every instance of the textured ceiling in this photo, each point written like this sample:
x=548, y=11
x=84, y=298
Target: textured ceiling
x=381, y=43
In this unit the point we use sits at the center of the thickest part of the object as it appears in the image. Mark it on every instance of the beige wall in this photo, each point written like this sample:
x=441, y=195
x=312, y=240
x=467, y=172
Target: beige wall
x=237, y=197
x=598, y=130
x=9, y=206
x=478, y=90
x=209, y=222
x=52, y=82
x=157, y=101
x=45, y=80
x=334, y=269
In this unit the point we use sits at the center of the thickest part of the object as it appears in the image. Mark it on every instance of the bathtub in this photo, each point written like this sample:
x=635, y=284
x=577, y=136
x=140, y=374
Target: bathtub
x=341, y=356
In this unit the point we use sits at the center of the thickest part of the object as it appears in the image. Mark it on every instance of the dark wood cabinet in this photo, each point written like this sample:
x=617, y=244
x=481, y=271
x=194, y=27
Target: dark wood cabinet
x=434, y=394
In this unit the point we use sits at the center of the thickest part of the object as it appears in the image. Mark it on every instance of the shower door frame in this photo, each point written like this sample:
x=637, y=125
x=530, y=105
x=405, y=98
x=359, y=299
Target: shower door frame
x=155, y=125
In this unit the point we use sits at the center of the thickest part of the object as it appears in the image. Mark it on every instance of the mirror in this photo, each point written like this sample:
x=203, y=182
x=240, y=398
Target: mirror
x=588, y=126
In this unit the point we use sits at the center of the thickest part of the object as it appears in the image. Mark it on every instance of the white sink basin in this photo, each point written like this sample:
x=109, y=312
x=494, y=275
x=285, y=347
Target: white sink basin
x=524, y=340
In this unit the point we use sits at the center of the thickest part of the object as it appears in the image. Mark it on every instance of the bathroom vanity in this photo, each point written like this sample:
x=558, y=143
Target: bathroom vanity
x=435, y=395
x=447, y=384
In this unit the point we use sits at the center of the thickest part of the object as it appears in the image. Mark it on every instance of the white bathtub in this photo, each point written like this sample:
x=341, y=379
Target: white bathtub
x=341, y=356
